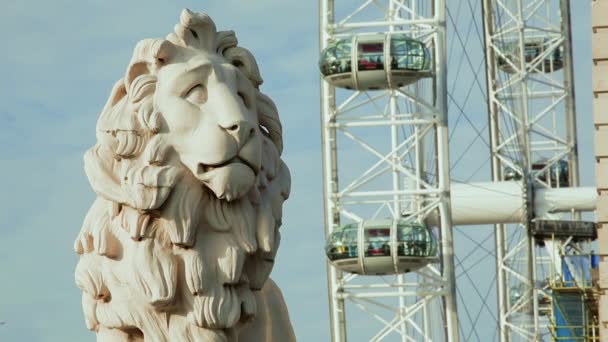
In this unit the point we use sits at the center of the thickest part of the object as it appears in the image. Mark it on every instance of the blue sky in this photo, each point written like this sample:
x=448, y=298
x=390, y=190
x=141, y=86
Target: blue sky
x=64, y=58
x=58, y=63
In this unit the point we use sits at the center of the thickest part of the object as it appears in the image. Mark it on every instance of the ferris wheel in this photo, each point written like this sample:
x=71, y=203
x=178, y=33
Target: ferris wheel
x=406, y=200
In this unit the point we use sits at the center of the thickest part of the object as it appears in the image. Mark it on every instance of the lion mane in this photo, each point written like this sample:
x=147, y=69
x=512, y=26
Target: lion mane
x=161, y=256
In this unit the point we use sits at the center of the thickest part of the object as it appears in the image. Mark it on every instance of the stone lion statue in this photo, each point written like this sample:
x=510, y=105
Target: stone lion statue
x=180, y=242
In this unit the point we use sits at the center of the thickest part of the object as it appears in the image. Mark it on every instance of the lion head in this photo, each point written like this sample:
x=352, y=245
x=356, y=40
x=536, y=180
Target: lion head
x=190, y=187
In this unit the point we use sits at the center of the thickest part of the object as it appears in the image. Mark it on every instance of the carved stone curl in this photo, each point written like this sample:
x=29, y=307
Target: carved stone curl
x=180, y=242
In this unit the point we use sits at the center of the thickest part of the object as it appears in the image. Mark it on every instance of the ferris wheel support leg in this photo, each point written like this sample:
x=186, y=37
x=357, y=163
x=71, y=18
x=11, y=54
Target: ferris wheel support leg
x=523, y=137
x=330, y=186
x=396, y=186
x=397, y=205
x=443, y=172
x=330, y=183
x=337, y=313
x=501, y=282
x=570, y=103
x=447, y=254
x=534, y=290
x=451, y=316
x=334, y=276
x=499, y=229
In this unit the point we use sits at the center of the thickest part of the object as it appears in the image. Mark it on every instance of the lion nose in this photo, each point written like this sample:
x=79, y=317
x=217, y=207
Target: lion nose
x=242, y=130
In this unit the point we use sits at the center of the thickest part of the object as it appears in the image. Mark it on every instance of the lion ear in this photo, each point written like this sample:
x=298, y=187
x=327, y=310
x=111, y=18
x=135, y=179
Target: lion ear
x=245, y=62
x=149, y=55
x=268, y=115
x=135, y=70
x=239, y=57
x=118, y=92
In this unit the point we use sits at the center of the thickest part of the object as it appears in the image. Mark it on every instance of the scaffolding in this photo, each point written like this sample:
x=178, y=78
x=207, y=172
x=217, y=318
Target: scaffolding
x=574, y=294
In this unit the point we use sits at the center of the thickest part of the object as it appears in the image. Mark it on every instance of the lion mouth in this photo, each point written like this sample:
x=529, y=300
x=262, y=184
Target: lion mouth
x=205, y=168
x=228, y=180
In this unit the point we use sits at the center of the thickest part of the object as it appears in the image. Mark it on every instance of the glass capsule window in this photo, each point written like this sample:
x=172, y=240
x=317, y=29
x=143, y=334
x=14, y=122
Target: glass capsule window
x=349, y=238
x=370, y=56
x=557, y=55
x=336, y=58
x=405, y=54
x=558, y=173
x=377, y=242
x=535, y=49
x=412, y=239
x=532, y=50
x=415, y=240
x=409, y=54
x=342, y=243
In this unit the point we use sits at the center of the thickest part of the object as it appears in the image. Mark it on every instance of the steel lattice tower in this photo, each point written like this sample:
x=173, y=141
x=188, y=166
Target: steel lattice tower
x=532, y=117
x=386, y=172
x=399, y=183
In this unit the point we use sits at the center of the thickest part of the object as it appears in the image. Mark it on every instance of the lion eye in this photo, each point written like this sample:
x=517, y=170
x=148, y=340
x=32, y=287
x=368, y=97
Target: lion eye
x=265, y=130
x=197, y=94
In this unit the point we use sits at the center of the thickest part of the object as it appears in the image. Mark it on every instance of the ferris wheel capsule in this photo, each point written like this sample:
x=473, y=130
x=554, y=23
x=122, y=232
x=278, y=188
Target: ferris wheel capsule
x=379, y=247
x=537, y=52
x=555, y=175
x=375, y=62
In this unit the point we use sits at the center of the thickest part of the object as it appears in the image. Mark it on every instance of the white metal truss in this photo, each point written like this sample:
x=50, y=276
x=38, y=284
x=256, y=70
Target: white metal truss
x=532, y=117
x=385, y=155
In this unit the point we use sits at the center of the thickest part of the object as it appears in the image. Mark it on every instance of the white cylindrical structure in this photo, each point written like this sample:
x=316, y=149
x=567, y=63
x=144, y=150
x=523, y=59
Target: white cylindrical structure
x=504, y=202
x=547, y=202
x=487, y=203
